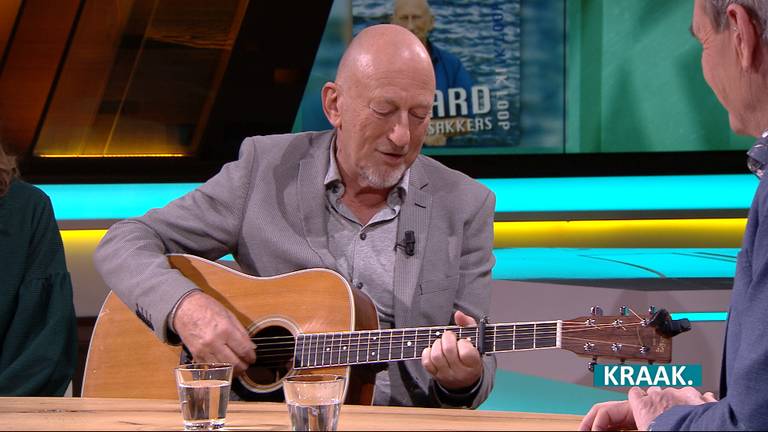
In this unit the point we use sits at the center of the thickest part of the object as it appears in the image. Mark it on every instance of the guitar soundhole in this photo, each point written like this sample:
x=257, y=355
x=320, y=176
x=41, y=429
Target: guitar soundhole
x=274, y=356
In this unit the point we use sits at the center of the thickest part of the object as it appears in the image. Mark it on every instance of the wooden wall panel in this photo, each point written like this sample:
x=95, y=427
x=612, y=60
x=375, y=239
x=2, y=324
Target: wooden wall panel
x=72, y=122
x=31, y=66
x=9, y=9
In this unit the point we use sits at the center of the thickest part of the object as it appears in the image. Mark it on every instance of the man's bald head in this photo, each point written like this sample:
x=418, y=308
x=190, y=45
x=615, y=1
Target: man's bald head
x=380, y=106
x=384, y=47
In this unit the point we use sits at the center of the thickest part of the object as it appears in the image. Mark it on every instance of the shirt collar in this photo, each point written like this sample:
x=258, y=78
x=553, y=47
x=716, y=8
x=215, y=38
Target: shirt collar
x=332, y=175
x=432, y=52
x=757, y=156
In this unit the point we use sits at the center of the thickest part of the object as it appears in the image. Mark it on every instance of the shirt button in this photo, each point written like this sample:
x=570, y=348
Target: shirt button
x=362, y=236
x=359, y=285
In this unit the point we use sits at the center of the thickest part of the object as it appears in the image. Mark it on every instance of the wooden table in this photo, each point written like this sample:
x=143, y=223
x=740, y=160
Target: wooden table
x=148, y=414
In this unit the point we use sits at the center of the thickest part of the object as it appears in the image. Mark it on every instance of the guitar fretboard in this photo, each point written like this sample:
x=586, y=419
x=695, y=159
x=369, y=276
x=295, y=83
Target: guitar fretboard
x=376, y=346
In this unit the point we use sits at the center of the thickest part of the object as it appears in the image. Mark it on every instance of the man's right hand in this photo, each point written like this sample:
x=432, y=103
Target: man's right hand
x=212, y=333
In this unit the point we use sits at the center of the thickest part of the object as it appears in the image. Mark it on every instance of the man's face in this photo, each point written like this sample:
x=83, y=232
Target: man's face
x=719, y=65
x=384, y=118
x=415, y=16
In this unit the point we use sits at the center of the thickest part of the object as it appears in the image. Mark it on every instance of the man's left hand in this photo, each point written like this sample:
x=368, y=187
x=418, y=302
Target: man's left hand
x=641, y=408
x=455, y=364
x=648, y=404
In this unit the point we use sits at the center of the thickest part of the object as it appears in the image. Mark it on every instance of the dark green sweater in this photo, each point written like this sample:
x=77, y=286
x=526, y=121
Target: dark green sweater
x=38, y=332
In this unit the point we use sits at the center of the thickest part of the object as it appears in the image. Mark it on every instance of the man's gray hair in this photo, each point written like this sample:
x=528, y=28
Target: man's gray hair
x=758, y=10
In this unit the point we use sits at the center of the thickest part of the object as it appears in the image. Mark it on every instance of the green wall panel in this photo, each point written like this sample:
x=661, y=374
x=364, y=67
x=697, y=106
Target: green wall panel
x=634, y=81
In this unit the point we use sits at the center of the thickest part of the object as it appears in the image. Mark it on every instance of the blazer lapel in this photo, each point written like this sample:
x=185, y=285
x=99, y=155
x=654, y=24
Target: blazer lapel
x=414, y=216
x=314, y=218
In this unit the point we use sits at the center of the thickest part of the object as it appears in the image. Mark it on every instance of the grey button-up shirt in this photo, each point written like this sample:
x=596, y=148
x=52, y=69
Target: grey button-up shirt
x=365, y=254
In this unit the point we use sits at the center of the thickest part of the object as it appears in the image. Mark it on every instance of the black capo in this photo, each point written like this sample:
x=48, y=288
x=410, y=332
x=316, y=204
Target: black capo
x=481, y=335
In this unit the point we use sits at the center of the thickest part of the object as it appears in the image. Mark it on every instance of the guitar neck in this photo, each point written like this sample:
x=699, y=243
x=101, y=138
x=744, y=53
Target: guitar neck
x=376, y=346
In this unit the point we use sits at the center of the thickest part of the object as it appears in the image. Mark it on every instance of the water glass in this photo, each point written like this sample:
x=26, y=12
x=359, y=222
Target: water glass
x=204, y=394
x=314, y=401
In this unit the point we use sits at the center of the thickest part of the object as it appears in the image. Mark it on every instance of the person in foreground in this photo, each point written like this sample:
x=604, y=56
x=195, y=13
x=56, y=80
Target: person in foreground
x=735, y=65
x=38, y=331
x=343, y=200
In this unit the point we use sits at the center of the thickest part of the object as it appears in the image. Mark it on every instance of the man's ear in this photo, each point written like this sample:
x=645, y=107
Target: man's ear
x=745, y=36
x=331, y=104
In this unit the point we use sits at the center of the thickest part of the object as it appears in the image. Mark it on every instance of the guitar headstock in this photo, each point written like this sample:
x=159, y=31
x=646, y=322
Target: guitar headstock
x=627, y=336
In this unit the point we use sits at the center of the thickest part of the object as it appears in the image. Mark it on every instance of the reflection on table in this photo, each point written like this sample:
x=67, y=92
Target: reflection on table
x=147, y=414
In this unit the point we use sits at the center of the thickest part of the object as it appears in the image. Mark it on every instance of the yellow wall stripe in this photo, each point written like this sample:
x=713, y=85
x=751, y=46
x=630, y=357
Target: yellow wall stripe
x=645, y=233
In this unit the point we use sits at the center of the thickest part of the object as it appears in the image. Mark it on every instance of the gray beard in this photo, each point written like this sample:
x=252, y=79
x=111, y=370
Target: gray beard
x=381, y=178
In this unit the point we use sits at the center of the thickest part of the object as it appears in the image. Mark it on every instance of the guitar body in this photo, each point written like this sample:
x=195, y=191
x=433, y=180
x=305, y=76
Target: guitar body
x=126, y=360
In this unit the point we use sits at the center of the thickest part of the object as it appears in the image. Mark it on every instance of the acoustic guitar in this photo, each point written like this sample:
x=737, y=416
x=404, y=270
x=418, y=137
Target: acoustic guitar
x=312, y=321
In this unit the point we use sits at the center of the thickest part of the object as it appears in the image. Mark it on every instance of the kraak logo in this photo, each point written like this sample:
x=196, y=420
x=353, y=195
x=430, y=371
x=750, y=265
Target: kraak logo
x=621, y=375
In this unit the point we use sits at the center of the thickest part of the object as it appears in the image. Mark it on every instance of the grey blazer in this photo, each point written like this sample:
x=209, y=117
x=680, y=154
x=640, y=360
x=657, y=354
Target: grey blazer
x=268, y=210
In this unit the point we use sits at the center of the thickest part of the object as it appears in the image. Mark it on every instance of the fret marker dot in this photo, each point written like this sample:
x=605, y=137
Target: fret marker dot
x=343, y=347
x=437, y=333
x=374, y=339
x=327, y=349
x=409, y=343
x=373, y=353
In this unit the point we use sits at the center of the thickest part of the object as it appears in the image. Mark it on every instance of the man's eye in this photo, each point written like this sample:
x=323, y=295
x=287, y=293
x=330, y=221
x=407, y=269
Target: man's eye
x=381, y=112
x=419, y=115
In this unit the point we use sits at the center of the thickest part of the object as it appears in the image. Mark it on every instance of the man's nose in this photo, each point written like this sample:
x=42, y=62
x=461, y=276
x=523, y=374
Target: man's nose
x=411, y=24
x=400, y=135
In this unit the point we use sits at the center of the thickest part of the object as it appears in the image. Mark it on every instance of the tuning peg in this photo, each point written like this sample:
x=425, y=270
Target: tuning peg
x=591, y=365
x=596, y=311
x=624, y=310
x=651, y=310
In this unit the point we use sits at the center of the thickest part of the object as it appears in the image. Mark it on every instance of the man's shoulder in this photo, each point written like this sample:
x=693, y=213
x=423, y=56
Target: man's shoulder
x=444, y=55
x=280, y=141
x=26, y=194
x=444, y=179
x=441, y=52
x=25, y=205
x=285, y=148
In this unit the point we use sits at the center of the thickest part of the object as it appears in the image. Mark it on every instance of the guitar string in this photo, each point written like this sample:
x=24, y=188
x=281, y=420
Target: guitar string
x=288, y=359
x=398, y=345
x=285, y=356
x=520, y=337
x=416, y=346
x=361, y=338
x=489, y=327
x=551, y=327
x=313, y=349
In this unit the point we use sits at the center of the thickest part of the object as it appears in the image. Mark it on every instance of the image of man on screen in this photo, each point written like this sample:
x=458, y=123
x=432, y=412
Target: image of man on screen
x=450, y=73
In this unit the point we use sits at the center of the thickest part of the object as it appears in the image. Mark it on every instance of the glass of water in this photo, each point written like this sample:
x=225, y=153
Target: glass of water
x=314, y=401
x=204, y=394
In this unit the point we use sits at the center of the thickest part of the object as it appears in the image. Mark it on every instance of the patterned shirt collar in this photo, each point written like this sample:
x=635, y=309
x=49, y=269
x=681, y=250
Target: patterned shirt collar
x=757, y=156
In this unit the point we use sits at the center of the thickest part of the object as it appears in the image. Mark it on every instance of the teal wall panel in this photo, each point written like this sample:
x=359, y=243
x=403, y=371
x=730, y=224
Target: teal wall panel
x=634, y=81
x=514, y=391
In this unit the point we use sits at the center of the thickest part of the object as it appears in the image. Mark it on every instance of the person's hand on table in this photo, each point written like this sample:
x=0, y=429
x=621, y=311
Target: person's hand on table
x=641, y=408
